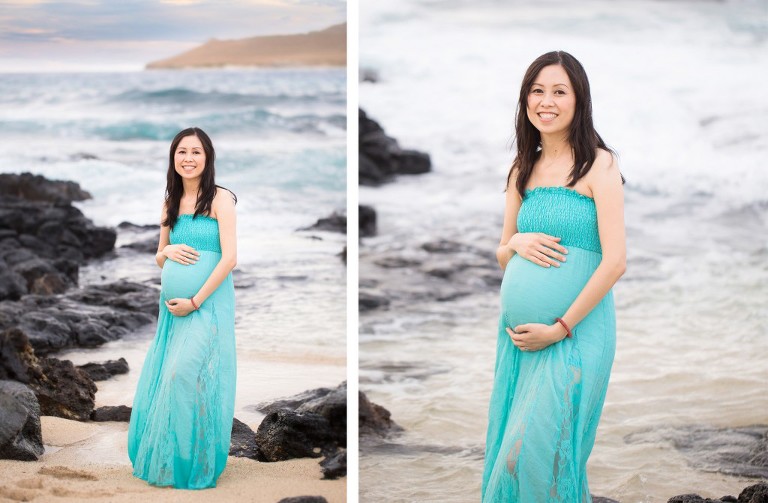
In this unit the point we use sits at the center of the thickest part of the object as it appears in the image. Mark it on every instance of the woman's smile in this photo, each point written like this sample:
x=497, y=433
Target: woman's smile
x=547, y=116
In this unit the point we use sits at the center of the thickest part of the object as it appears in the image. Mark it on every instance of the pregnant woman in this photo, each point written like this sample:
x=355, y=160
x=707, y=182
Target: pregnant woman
x=181, y=420
x=562, y=249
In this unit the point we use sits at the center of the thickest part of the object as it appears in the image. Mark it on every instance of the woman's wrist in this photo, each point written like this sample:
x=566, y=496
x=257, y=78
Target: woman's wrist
x=509, y=244
x=562, y=329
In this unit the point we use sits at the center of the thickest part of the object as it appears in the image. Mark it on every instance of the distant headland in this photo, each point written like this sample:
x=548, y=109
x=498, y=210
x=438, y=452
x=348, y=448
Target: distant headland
x=326, y=47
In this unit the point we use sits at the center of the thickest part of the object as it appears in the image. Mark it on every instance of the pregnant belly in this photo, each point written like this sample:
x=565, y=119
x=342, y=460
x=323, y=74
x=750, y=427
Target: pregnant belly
x=534, y=294
x=178, y=280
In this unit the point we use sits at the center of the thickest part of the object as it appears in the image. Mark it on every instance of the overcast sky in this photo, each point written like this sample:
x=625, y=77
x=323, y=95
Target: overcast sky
x=40, y=35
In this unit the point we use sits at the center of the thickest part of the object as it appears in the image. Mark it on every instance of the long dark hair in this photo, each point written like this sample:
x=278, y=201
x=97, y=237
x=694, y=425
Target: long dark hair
x=582, y=136
x=174, y=188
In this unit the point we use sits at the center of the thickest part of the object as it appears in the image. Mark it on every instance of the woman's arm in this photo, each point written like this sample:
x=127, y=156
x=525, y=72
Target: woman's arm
x=223, y=209
x=504, y=252
x=165, y=240
x=608, y=193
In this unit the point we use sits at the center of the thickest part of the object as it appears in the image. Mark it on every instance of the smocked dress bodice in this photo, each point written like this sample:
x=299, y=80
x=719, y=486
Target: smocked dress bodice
x=200, y=232
x=563, y=213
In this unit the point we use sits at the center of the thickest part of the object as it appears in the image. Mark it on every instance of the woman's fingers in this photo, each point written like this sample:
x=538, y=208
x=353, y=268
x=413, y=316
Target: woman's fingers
x=543, y=250
x=553, y=245
x=517, y=337
x=189, y=249
x=546, y=261
x=181, y=259
x=553, y=242
x=552, y=252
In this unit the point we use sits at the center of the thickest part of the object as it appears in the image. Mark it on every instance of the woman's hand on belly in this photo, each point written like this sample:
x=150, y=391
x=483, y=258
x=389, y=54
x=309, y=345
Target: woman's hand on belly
x=539, y=248
x=181, y=253
x=180, y=307
x=536, y=336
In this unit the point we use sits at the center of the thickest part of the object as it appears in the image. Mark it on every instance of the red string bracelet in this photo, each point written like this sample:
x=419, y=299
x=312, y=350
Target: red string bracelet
x=192, y=299
x=568, y=332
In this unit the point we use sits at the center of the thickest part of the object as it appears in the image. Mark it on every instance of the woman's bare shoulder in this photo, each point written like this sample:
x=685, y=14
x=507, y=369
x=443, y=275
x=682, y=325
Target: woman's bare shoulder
x=605, y=170
x=223, y=201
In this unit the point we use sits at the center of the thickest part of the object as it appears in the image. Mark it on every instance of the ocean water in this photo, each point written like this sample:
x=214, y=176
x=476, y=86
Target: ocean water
x=676, y=89
x=280, y=139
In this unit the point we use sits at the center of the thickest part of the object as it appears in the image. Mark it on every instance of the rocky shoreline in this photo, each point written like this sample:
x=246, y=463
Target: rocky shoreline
x=44, y=240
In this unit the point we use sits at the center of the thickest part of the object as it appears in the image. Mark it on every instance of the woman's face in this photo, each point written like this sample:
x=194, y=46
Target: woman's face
x=189, y=158
x=551, y=101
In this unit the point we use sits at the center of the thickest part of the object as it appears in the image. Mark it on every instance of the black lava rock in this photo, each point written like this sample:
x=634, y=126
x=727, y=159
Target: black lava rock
x=381, y=157
x=757, y=493
x=110, y=413
x=105, y=370
x=61, y=389
x=374, y=420
x=20, y=432
x=734, y=451
x=43, y=238
x=367, y=221
x=86, y=317
x=285, y=435
x=64, y=391
x=335, y=222
x=335, y=466
x=367, y=301
x=243, y=443
x=38, y=188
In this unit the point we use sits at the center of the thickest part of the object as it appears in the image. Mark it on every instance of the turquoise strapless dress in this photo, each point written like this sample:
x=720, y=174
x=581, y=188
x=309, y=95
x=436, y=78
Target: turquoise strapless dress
x=181, y=420
x=546, y=404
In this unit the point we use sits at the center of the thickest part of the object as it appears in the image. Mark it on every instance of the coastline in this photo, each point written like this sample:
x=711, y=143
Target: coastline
x=65, y=473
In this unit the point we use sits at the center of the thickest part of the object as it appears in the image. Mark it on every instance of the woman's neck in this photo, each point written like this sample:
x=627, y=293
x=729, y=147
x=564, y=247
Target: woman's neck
x=554, y=146
x=191, y=188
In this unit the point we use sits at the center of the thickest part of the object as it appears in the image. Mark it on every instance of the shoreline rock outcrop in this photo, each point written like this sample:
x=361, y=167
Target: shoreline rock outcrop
x=310, y=424
x=381, y=157
x=43, y=238
x=374, y=420
x=742, y=452
x=43, y=242
x=757, y=493
x=101, y=371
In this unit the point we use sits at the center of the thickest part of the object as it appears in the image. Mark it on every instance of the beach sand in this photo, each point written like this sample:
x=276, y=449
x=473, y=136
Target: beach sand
x=89, y=462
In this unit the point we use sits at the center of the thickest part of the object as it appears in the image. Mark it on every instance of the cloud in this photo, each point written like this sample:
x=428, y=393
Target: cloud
x=29, y=31
x=184, y=20
x=32, y=28
x=182, y=2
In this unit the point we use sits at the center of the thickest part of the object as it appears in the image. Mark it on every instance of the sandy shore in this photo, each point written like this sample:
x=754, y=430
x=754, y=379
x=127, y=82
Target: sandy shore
x=89, y=462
